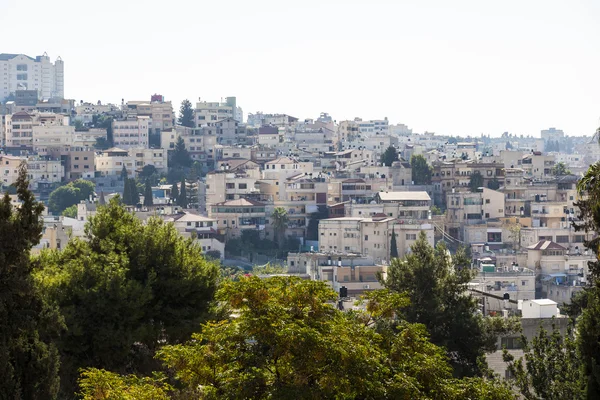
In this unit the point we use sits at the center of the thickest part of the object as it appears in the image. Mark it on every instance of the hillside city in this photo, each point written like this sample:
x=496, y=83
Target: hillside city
x=325, y=200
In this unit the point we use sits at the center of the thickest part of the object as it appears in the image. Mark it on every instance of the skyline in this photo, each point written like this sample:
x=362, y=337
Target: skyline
x=464, y=69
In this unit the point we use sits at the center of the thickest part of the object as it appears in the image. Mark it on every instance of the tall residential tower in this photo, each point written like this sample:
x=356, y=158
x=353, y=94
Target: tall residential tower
x=21, y=72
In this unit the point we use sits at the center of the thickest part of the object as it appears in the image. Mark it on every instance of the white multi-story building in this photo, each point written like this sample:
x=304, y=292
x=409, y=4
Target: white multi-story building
x=111, y=161
x=131, y=133
x=207, y=111
x=21, y=72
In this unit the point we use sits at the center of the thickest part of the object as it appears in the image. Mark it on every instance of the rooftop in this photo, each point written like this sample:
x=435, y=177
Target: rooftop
x=402, y=196
x=546, y=245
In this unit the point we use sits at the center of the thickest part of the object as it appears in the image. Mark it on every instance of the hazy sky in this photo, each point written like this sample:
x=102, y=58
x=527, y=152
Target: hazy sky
x=452, y=67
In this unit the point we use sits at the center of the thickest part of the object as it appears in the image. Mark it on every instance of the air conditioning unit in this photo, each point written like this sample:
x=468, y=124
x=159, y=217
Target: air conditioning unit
x=366, y=287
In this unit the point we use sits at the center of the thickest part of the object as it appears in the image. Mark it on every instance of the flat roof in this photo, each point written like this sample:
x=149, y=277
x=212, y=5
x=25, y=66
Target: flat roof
x=400, y=196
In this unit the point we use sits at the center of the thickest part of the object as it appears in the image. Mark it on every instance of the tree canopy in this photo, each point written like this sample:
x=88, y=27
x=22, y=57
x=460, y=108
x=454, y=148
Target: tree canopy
x=123, y=290
x=475, y=181
x=29, y=360
x=180, y=157
x=560, y=169
x=186, y=114
x=279, y=222
x=284, y=339
x=550, y=368
x=436, y=284
x=389, y=156
x=421, y=171
x=70, y=194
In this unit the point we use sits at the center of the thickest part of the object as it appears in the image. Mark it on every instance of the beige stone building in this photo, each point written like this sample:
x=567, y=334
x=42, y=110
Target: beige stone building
x=234, y=216
x=110, y=162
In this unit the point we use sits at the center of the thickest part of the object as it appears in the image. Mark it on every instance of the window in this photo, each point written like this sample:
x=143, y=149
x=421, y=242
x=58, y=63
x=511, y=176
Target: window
x=562, y=239
x=21, y=77
x=411, y=236
x=366, y=237
x=487, y=201
x=243, y=186
x=523, y=283
x=21, y=67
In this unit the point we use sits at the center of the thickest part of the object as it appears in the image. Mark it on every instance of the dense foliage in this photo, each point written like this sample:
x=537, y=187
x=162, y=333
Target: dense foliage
x=436, y=284
x=29, y=361
x=550, y=368
x=389, y=156
x=475, y=181
x=70, y=194
x=421, y=170
x=286, y=340
x=186, y=114
x=124, y=290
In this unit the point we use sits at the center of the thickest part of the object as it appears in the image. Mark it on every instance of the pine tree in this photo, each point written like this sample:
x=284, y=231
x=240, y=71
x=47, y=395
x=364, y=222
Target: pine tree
x=186, y=114
x=148, y=201
x=182, y=200
x=29, y=360
x=135, y=195
x=393, y=246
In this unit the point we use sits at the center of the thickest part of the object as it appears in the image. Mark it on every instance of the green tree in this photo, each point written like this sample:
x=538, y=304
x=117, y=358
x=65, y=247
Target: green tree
x=389, y=156
x=421, y=171
x=105, y=122
x=560, y=169
x=123, y=290
x=70, y=194
x=475, y=181
x=99, y=384
x=494, y=184
x=180, y=157
x=182, y=200
x=127, y=194
x=588, y=323
x=436, y=284
x=550, y=368
x=148, y=197
x=70, y=211
x=435, y=210
x=279, y=222
x=393, y=246
x=124, y=173
x=287, y=341
x=312, y=230
x=149, y=172
x=29, y=360
x=135, y=194
x=174, y=193
x=186, y=114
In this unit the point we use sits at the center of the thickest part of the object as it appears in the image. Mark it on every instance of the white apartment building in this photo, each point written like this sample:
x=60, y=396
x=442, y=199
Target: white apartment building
x=39, y=170
x=213, y=111
x=201, y=228
x=160, y=114
x=51, y=132
x=110, y=162
x=21, y=72
x=369, y=236
x=131, y=133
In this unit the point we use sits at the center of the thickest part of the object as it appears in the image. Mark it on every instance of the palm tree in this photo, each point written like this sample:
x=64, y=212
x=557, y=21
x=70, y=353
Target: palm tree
x=279, y=222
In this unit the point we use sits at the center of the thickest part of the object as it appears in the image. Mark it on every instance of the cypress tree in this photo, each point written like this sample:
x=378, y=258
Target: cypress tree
x=29, y=360
x=393, y=246
x=126, y=192
x=135, y=195
x=174, y=193
x=182, y=200
x=148, y=201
